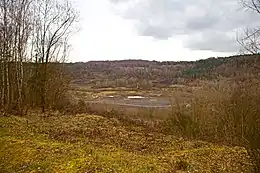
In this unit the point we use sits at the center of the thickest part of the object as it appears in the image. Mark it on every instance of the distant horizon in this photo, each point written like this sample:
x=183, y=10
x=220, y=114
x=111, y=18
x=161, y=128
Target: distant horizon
x=235, y=55
x=143, y=59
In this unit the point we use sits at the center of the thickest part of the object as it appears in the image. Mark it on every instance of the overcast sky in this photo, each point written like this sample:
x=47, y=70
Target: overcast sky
x=159, y=30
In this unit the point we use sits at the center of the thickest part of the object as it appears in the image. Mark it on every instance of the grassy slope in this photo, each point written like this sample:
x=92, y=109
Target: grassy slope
x=89, y=143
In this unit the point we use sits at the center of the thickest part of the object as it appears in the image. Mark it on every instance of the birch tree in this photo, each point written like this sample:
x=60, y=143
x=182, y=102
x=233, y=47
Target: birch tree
x=14, y=33
x=33, y=35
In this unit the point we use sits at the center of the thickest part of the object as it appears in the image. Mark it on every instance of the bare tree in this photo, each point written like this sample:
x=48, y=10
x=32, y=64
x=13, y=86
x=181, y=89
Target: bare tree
x=250, y=39
x=53, y=24
x=252, y=5
x=14, y=33
x=40, y=29
x=250, y=42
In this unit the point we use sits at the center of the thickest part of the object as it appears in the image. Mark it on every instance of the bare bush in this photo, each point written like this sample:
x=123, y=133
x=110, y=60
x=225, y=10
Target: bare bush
x=232, y=120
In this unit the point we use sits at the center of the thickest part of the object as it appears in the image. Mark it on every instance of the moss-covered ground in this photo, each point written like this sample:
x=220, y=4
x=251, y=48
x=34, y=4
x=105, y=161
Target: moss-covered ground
x=91, y=143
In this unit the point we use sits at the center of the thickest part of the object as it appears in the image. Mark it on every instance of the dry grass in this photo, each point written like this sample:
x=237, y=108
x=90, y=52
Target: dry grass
x=228, y=115
x=221, y=112
x=90, y=143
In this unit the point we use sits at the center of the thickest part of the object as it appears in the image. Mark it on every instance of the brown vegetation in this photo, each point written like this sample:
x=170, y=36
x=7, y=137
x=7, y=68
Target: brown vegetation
x=33, y=35
x=230, y=116
x=141, y=74
x=214, y=100
x=225, y=112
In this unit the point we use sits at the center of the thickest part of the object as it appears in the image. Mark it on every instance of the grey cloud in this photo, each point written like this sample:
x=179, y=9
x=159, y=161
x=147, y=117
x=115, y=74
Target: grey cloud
x=215, y=41
x=118, y=1
x=162, y=19
x=201, y=24
x=162, y=33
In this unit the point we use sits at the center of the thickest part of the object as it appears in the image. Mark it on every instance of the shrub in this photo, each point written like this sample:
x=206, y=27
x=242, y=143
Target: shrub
x=230, y=116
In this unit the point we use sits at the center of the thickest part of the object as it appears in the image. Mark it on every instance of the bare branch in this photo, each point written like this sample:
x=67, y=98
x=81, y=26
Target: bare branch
x=252, y=5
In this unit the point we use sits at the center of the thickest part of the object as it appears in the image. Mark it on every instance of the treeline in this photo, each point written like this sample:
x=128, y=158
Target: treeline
x=33, y=35
x=133, y=73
